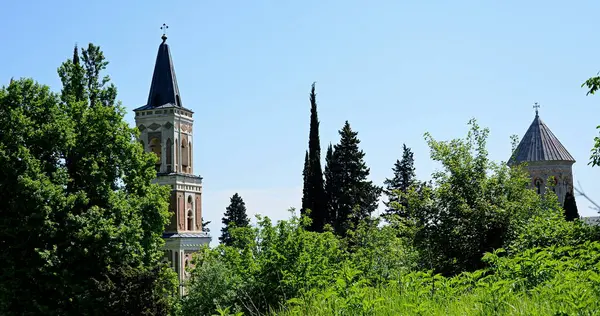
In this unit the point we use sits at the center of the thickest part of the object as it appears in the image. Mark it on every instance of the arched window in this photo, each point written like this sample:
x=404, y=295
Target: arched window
x=157, y=150
x=538, y=185
x=180, y=212
x=185, y=153
x=190, y=154
x=190, y=220
x=177, y=153
x=187, y=265
x=169, y=154
x=155, y=147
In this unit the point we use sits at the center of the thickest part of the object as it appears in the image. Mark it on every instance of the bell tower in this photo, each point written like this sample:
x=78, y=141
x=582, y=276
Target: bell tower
x=545, y=158
x=166, y=129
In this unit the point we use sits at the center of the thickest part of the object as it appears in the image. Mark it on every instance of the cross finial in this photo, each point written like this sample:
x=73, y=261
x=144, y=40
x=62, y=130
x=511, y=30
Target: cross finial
x=536, y=106
x=164, y=28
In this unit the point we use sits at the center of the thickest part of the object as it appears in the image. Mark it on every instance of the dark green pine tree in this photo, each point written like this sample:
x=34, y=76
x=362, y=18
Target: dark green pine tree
x=314, y=195
x=570, y=207
x=305, y=188
x=235, y=214
x=205, y=225
x=404, y=178
x=354, y=197
x=332, y=185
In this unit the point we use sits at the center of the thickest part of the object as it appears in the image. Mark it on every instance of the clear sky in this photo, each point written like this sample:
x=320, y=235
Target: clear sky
x=394, y=69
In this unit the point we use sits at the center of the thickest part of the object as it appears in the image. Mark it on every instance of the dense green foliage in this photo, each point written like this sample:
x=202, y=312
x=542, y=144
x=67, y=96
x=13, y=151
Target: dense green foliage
x=81, y=225
x=475, y=241
x=81, y=222
x=314, y=198
x=472, y=208
x=235, y=216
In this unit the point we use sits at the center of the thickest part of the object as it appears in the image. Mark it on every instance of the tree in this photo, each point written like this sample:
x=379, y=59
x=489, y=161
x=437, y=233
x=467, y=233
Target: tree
x=354, y=197
x=205, y=225
x=332, y=185
x=306, y=183
x=570, y=207
x=404, y=178
x=314, y=192
x=235, y=216
x=593, y=84
x=79, y=185
x=473, y=207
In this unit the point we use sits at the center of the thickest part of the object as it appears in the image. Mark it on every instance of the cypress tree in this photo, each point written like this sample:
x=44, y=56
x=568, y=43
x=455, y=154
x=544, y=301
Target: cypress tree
x=404, y=178
x=354, y=197
x=235, y=214
x=570, y=207
x=75, y=55
x=314, y=195
x=305, y=188
x=331, y=186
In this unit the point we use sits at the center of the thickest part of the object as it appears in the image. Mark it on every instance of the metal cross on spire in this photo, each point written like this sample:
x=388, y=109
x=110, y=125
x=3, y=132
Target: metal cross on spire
x=536, y=106
x=164, y=28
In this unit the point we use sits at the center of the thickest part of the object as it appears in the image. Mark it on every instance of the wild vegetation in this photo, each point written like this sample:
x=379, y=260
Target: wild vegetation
x=81, y=222
x=474, y=241
x=81, y=226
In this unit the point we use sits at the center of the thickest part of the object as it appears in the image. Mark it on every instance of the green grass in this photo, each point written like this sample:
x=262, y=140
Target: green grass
x=390, y=300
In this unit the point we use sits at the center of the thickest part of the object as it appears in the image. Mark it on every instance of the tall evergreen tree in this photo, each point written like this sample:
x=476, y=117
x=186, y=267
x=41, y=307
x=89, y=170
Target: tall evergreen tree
x=404, y=178
x=314, y=196
x=235, y=214
x=75, y=55
x=354, y=197
x=570, y=207
x=305, y=188
x=331, y=186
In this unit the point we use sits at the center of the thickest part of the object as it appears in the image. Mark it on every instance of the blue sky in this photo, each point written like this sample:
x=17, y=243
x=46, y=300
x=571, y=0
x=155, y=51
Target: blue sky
x=394, y=69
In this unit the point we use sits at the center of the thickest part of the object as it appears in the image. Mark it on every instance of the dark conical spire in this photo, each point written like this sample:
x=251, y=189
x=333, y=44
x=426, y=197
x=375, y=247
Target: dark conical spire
x=164, y=89
x=540, y=144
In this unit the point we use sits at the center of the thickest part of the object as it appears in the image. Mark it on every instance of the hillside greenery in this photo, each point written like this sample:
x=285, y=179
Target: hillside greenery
x=474, y=241
x=82, y=221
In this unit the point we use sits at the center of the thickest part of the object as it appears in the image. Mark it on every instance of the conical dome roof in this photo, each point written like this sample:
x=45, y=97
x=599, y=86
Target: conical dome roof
x=540, y=144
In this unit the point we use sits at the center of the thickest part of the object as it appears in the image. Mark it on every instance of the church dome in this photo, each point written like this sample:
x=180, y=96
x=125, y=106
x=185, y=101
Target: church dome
x=540, y=144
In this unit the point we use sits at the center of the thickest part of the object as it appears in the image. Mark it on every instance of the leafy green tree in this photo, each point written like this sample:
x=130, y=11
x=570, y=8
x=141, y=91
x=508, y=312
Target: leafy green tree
x=235, y=216
x=404, y=178
x=593, y=84
x=353, y=197
x=570, y=207
x=76, y=181
x=266, y=266
x=474, y=206
x=314, y=197
x=547, y=226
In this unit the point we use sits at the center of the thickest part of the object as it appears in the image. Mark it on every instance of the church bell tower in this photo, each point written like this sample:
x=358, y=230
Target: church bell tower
x=165, y=127
x=545, y=158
